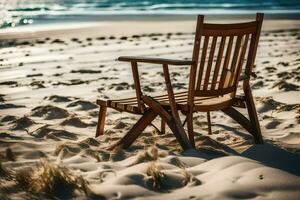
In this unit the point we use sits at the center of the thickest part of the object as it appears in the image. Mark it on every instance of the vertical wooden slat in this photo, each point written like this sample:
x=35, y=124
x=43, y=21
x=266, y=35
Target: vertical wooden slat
x=137, y=85
x=202, y=62
x=254, y=44
x=234, y=59
x=240, y=61
x=218, y=63
x=209, y=63
x=196, y=50
x=226, y=62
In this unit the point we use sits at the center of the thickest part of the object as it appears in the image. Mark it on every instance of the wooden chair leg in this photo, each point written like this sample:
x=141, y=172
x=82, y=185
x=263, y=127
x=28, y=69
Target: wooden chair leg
x=101, y=121
x=209, y=123
x=174, y=123
x=163, y=126
x=190, y=128
x=136, y=130
x=253, y=116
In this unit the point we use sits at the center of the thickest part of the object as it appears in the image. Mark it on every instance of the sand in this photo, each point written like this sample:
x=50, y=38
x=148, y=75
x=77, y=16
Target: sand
x=51, y=77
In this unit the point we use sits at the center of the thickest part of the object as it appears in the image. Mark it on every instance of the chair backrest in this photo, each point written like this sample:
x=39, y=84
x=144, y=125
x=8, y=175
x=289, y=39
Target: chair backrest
x=221, y=51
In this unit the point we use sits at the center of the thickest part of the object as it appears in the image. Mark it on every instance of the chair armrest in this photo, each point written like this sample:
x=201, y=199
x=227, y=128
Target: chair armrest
x=155, y=60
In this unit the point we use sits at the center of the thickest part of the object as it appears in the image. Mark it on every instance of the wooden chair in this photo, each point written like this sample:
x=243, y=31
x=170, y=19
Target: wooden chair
x=223, y=57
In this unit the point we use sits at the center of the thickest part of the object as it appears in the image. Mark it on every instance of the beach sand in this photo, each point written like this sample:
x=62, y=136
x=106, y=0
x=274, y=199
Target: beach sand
x=51, y=77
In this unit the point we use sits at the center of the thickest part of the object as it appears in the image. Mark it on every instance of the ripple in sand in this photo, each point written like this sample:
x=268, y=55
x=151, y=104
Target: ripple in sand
x=83, y=105
x=50, y=112
x=50, y=133
x=6, y=135
x=268, y=104
x=22, y=123
x=10, y=105
x=75, y=121
x=283, y=85
x=90, y=141
x=8, y=118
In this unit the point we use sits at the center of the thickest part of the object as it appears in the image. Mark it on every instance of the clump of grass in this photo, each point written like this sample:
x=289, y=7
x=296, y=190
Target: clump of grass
x=151, y=154
x=189, y=178
x=155, y=174
x=177, y=162
x=51, y=179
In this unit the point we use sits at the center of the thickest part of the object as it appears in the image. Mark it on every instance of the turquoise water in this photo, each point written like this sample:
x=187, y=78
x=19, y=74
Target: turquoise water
x=22, y=12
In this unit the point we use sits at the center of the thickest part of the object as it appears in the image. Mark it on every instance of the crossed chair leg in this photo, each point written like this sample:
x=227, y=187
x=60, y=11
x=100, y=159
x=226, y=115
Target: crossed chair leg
x=154, y=110
x=251, y=124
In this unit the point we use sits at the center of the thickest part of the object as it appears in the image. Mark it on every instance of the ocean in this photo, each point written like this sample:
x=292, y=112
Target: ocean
x=23, y=12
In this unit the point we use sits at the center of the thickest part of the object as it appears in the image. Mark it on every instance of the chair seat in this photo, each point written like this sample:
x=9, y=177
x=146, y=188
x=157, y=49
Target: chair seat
x=200, y=103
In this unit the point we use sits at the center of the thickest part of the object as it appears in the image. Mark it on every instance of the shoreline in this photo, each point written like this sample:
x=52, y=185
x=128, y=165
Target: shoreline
x=128, y=26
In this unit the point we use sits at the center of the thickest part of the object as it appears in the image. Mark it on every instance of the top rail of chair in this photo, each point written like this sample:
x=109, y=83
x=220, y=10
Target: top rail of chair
x=251, y=24
x=229, y=29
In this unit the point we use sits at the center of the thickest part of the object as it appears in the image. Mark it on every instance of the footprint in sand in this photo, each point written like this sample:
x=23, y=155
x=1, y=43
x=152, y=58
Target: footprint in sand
x=22, y=123
x=283, y=85
x=6, y=135
x=273, y=124
x=47, y=132
x=2, y=99
x=10, y=105
x=14, y=83
x=8, y=118
x=49, y=112
x=271, y=69
x=258, y=84
x=90, y=141
x=86, y=71
x=38, y=84
x=76, y=122
x=120, y=86
x=83, y=105
x=34, y=75
x=268, y=104
x=56, y=98
x=120, y=125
